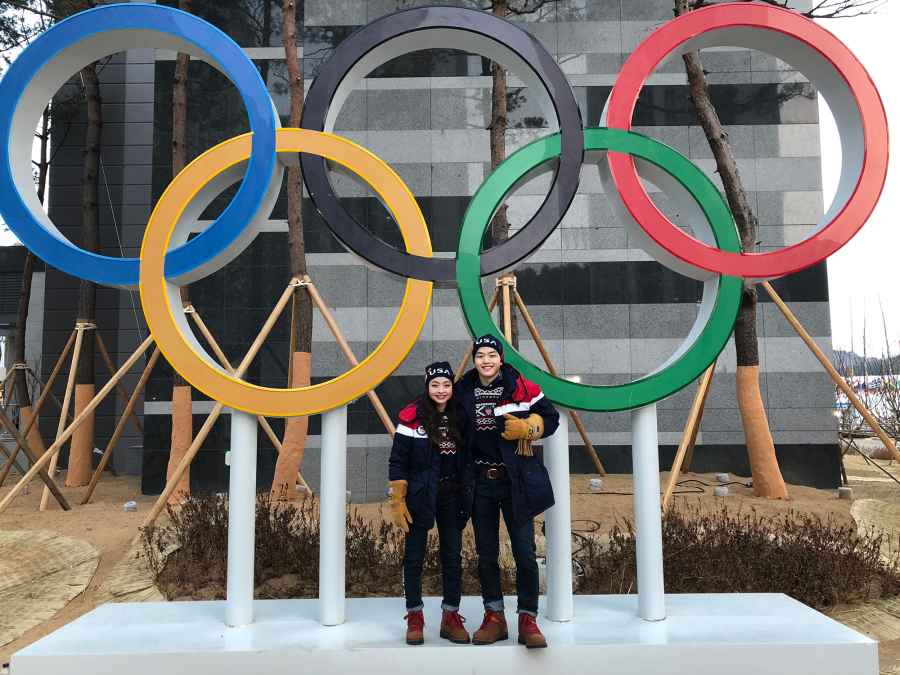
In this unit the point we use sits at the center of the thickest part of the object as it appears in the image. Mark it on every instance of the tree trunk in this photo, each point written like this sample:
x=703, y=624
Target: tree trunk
x=82, y=447
x=294, y=442
x=498, y=125
x=768, y=481
x=23, y=397
x=182, y=398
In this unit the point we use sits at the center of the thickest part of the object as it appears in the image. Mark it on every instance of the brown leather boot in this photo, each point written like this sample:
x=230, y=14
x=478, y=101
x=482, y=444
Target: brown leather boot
x=415, y=627
x=529, y=633
x=452, y=628
x=493, y=629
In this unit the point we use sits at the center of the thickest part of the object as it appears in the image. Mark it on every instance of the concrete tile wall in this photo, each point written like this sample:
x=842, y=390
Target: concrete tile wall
x=432, y=131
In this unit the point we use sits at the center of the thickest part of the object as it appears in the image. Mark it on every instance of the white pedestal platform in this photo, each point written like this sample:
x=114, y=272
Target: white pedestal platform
x=703, y=635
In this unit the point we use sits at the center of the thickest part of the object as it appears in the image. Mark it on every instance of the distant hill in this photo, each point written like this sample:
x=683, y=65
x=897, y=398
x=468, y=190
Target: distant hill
x=847, y=362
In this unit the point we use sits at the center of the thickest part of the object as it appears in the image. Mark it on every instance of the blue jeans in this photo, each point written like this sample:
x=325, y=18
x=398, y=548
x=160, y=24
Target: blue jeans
x=450, y=537
x=491, y=498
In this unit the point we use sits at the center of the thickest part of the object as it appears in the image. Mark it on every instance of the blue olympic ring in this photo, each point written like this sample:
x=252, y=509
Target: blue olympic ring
x=47, y=63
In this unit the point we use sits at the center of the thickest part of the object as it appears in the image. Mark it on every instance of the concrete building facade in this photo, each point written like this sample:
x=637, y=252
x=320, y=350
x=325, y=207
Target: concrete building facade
x=607, y=312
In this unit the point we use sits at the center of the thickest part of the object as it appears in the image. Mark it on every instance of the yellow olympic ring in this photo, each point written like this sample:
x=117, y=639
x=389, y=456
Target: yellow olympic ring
x=161, y=301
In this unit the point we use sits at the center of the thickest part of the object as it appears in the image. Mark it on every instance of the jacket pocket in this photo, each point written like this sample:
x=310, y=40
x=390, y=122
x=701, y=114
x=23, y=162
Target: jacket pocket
x=536, y=489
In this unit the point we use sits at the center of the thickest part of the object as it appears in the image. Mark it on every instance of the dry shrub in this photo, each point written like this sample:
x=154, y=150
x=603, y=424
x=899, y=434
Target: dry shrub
x=287, y=553
x=821, y=564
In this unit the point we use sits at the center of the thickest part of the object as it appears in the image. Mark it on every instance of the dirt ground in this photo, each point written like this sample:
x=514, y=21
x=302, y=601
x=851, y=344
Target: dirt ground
x=107, y=526
x=103, y=523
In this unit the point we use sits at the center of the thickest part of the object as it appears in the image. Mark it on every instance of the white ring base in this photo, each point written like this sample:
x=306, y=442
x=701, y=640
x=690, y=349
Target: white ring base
x=747, y=634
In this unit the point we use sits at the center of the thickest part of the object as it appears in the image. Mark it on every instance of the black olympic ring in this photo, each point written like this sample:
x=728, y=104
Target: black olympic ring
x=424, y=28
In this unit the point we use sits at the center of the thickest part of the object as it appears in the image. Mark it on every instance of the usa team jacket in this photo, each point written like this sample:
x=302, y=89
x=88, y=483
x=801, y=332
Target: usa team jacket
x=415, y=459
x=531, y=490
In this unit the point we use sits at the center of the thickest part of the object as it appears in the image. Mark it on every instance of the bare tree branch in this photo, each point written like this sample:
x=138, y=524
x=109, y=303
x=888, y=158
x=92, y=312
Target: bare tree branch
x=824, y=9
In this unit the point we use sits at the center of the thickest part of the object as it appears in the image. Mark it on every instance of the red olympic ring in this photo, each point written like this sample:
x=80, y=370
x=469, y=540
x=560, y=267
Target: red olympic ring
x=684, y=33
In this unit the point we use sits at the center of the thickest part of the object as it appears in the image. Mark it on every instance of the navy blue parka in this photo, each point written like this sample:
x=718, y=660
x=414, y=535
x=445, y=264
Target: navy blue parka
x=415, y=459
x=532, y=493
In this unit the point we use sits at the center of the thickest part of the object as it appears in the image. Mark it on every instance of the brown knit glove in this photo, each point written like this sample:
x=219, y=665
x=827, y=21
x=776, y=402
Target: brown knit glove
x=400, y=516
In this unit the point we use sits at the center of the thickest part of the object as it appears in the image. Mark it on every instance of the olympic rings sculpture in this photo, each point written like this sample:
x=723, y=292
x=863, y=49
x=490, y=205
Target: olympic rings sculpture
x=712, y=254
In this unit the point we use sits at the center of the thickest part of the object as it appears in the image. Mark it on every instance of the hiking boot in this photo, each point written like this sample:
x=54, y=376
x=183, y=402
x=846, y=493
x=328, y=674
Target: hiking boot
x=493, y=629
x=452, y=628
x=415, y=627
x=529, y=633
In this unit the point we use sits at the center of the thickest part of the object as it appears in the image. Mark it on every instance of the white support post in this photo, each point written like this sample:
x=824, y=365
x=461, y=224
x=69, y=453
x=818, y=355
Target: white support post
x=241, y=519
x=332, y=517
x=647, y=515
x=558, y=521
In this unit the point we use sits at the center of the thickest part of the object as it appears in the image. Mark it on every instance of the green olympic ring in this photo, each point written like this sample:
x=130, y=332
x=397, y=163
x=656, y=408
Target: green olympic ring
x=722, y=294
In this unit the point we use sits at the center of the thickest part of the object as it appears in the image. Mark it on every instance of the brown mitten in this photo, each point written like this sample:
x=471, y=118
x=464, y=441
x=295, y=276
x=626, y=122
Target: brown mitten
x=400, y=516
x=523, y=430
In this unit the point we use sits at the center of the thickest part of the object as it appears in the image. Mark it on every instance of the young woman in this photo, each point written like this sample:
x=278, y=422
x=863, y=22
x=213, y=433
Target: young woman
x=426, y=472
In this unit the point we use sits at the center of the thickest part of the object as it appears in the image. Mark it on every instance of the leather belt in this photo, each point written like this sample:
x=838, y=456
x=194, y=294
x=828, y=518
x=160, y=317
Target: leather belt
x=492, y=472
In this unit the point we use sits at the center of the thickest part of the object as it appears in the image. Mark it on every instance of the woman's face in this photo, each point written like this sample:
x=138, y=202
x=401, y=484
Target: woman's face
x=440, y=389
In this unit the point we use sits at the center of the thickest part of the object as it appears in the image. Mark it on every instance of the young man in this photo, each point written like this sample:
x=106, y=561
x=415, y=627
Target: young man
x=504, y=413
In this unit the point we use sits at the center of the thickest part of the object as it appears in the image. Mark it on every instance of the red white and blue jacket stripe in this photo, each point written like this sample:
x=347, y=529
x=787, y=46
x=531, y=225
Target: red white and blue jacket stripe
x=531, y=490
x=415, y=459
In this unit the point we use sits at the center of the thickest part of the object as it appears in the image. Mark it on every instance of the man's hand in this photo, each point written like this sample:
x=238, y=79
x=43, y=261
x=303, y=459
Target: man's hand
x=400, y=516
x=516, y=428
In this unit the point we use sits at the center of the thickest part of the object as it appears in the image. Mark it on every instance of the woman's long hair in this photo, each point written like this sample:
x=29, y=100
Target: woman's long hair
x=431, y=419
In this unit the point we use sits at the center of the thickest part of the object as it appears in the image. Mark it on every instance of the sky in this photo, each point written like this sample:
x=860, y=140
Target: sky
x=864, y=276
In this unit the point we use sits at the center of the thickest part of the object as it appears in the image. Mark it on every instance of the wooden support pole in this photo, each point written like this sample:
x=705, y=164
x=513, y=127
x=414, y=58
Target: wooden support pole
x=5, y=451
x=690, y=433
x=348, y=353
x=223, y=359
x=77, y=422
x=120, y=425
x=64, y=413
x=7, y=397
x=464, y=361
x=123, y=393
x=292, y=342
x=689, y=455
x=189, y=454
x=573, y=415
x=41, y=385
x=45, y=392
x=832, y=371
x=42, y=473
x=8, y=393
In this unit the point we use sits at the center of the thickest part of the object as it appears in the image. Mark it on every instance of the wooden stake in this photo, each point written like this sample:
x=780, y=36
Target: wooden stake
x=123, y=393
x=44, y=476
x=464, y=361
x=223, y=359
x=120, y=425
x=5, y=451
x=690, y=433
x=8, y=393
x=348, y=353
x=189, y=454
x=689, y=455
x=64, y=413
x=6, y=396
x=45, y=392
x=77, y=422
x=832, y=371
x=573, y=415
x=292, y=343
